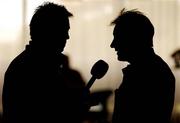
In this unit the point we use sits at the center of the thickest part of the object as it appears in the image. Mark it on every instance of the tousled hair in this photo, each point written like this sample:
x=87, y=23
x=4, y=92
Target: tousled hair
x=45, y=15
x=136, y=23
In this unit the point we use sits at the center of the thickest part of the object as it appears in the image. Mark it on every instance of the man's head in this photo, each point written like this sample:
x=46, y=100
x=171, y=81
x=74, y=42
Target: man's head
x=133, y=33
x=49, y=25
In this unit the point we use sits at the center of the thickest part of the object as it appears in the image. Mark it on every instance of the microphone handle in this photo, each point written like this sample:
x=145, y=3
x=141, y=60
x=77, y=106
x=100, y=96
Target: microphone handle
x=91, y=81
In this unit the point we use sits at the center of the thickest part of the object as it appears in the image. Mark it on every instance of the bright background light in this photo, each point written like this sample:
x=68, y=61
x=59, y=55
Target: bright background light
x=90, y=34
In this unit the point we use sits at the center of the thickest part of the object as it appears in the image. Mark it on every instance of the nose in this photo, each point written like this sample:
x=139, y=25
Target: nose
x=112, y=44
x=67, y=36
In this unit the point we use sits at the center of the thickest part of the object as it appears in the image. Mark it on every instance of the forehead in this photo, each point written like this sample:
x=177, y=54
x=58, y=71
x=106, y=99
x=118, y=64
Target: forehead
x=63, y=23
x=115, y=30
x=118, y=29
x=124, y=29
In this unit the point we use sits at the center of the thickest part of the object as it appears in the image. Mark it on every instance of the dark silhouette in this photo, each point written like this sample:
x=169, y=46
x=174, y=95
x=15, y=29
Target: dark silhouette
x=146, y=94
x=36, y=87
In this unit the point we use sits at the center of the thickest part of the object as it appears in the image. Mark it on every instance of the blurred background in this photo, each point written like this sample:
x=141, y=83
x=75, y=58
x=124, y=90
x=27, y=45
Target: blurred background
x=91, y=35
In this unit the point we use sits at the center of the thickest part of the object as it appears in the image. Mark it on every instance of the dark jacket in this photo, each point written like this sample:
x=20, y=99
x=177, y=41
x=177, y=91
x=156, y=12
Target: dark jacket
x=35, y=90
x=146, y=94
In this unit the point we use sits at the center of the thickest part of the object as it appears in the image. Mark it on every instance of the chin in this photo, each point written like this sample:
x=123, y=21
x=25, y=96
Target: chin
x=121, y=59
x=61, y=50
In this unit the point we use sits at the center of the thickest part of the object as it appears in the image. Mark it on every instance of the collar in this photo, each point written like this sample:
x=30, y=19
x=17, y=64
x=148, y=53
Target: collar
x=43, y=53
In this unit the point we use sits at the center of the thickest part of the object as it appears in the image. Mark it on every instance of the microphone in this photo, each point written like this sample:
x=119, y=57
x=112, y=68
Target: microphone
x=98, y=70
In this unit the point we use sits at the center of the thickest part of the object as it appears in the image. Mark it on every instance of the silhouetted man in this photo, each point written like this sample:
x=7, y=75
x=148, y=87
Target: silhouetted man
x=35, y=89
x=146, y=94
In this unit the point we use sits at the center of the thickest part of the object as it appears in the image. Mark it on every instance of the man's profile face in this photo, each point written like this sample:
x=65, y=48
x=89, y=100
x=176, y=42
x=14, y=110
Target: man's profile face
x=58, y=34
x=62, y=35
x=121, y=43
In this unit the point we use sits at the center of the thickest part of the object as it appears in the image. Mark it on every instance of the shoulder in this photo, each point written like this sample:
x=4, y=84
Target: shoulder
x=18, y=63
x=163, y=68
